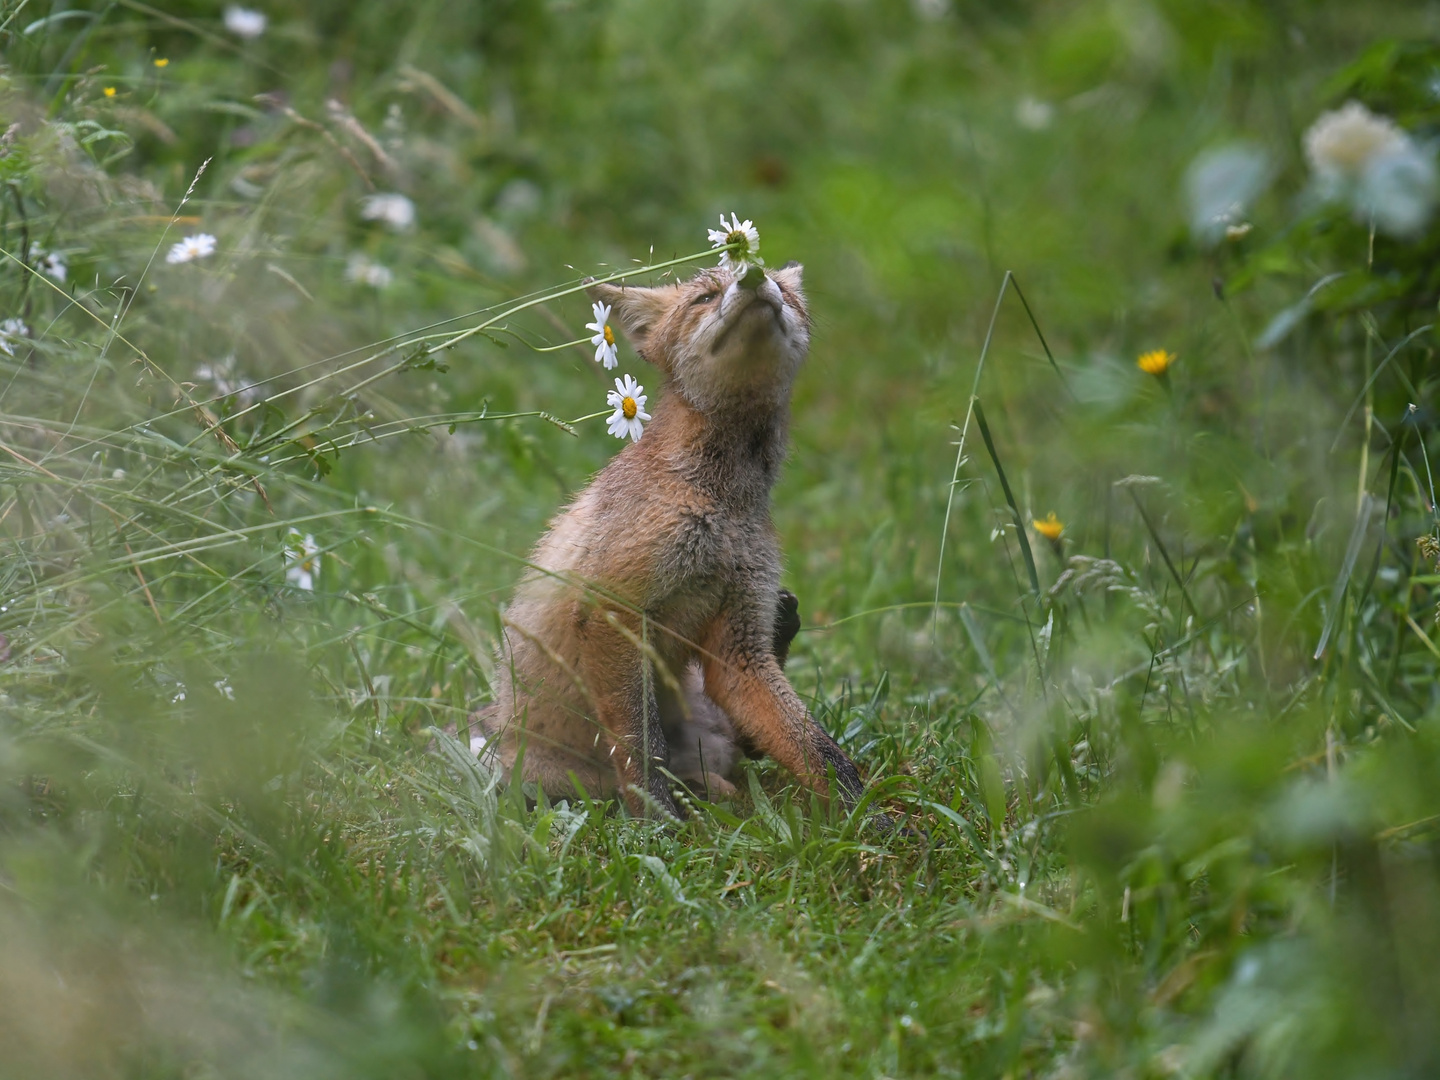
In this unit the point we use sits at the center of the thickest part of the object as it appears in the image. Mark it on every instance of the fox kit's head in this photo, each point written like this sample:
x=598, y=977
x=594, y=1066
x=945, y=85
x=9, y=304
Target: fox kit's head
x=720, y=342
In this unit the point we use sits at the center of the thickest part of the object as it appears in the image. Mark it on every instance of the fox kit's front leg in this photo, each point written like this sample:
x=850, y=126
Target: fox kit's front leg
x=614, y=671
x=743, y=677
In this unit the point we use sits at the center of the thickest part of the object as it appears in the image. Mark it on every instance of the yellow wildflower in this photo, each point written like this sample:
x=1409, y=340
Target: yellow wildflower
x=161, y=61
x=1155, y=362
x=109, y=91
x=1050, y=528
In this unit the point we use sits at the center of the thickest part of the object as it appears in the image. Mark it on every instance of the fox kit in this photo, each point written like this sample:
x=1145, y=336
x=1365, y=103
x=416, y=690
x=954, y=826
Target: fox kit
x=649, y=635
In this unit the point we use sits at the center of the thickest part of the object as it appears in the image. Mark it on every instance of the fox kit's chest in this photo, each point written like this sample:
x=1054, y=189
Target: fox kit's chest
x=705, y=543
x=648, y=540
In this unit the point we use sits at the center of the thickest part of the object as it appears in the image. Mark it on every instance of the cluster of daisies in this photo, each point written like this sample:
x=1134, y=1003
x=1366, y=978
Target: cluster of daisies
x=739, y=245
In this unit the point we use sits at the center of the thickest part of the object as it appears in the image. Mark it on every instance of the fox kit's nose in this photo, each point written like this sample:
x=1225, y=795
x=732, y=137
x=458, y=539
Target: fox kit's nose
x=755, y=292
x=767, y=290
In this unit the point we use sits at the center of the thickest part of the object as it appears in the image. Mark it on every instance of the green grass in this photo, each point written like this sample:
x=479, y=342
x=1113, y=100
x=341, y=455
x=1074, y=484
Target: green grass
x=1155, y=829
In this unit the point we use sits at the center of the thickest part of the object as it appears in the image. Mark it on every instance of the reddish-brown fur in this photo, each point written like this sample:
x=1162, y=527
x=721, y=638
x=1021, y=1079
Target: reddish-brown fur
x=665, y=570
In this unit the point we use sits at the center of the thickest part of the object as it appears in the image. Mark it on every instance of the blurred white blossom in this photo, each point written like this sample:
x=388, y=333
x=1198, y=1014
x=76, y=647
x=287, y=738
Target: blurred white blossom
x=227, y=381
x=1341, y=143
x=1370, y=162
x=192, y=247
x=519, y=199
x=365, y=271
x=302, y=560
x=1220, y=187
x=50, y=263
x=244, y=22
x=11, y=330
x=1033, y=114
x=393, y=209
x=1397, y=190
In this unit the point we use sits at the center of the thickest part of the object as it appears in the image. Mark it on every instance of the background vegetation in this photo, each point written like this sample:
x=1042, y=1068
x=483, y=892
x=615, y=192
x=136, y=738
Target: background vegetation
x=1173, y=775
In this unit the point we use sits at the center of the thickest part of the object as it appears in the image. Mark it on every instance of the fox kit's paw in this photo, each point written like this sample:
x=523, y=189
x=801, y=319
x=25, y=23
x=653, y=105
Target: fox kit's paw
x=787, y=624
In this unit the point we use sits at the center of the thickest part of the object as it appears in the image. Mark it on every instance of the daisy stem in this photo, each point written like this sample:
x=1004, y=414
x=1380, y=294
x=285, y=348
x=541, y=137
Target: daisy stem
x=569, y=290
x=557, y=348
x=591, y=416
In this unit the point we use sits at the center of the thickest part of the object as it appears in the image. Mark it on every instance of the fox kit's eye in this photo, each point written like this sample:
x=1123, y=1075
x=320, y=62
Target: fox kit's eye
x=703, y=299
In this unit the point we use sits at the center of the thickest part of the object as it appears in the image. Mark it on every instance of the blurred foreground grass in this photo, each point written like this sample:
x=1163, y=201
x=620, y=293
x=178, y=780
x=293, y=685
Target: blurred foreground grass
x=1180, y=788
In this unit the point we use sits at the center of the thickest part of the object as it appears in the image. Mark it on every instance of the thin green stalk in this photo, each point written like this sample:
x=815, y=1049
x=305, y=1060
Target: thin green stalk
x=1025, y=551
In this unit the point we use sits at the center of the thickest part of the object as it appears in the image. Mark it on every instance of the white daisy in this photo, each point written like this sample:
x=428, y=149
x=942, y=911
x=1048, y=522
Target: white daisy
x=604, y=340
x=628, y=401
x=393, y=209
x=302, y=560
x=11, y=330
x=364, y=271
x=244, y=22
x=192, y=247
x=739, y=244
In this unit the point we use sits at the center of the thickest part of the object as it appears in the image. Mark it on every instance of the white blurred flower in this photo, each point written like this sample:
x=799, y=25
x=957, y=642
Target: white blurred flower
x=244, y=22
x=739, y=244
x=519, y=199
x=604, y=339
x=1397, y=190
x=1373, y=164
x=227, y=381
x=393, y=209
x=1033, y=114
x=11, y=330
x=1341, y=143
x=1220, y=186
x=192, y=247
x=628, y=401
x=365, y=271
x=302, y=560
x=50, y=263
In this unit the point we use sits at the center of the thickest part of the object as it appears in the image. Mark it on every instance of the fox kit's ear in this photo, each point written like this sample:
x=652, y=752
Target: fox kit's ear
x=789, y=275
x=639, y=311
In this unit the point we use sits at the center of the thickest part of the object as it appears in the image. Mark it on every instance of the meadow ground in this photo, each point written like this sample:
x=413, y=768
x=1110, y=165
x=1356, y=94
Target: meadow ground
x=1143, y=649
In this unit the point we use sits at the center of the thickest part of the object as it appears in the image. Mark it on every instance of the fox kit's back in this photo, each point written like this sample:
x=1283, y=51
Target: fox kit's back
x=645, y=643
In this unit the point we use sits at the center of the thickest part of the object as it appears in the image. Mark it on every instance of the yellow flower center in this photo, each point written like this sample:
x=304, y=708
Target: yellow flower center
x=736, y=238
x=629, y=408
x=609, y=335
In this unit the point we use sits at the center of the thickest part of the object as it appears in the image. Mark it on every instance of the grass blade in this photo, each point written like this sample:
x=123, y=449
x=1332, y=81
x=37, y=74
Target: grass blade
x=1164, y=554
x=1005, y=284
x=1352, y=552
x=1009, y=499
